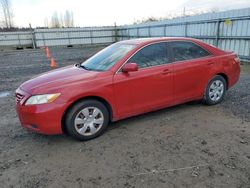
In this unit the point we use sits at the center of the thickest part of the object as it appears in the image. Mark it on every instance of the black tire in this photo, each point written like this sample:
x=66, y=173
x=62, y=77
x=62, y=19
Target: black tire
x=75, y=109
x=207, y=99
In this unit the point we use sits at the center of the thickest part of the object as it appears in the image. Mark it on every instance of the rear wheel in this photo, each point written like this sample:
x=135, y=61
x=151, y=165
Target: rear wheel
x=215, y=90
x=87, y=119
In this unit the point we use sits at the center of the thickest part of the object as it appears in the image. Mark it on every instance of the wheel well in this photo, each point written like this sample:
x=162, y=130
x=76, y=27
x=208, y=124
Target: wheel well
x=225, y=77
x=103, y=101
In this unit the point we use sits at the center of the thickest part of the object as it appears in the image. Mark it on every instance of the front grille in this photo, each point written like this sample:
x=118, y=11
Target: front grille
x=19, y=97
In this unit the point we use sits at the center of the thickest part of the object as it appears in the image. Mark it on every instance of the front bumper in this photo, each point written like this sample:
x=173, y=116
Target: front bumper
x=42, y=118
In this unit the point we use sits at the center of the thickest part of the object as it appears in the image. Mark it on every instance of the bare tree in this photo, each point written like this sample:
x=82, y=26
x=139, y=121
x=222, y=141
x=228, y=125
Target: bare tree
x=62, y=23
x=63, y=20
x=7, y=13
x=68, y=19
x=55, y=22
x=214, y=9
x=46, y=22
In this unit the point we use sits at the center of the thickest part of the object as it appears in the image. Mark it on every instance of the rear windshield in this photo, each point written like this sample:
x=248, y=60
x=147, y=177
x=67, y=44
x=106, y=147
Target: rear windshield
x=107, y=57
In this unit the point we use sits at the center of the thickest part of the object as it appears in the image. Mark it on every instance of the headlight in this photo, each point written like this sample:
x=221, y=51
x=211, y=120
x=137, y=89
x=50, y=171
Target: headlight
x=41, y=99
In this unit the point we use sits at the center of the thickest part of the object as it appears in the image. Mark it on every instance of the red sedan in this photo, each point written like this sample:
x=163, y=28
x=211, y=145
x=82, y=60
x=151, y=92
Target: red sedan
x=125, y=79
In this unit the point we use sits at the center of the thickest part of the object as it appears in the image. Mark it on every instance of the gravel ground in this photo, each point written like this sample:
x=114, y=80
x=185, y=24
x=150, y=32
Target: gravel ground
x=189, y=145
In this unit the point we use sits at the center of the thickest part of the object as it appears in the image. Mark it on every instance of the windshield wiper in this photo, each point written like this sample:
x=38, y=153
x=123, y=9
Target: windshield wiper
x=84, y=67
x=79, y=65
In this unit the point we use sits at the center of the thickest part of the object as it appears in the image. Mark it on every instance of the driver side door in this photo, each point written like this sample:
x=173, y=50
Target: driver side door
x=149, y=88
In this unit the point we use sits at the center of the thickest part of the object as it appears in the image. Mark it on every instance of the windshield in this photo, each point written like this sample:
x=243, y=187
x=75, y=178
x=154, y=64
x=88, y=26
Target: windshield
x=107, y=57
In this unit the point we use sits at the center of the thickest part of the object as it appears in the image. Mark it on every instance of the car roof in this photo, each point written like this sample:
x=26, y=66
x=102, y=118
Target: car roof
x=143, y=41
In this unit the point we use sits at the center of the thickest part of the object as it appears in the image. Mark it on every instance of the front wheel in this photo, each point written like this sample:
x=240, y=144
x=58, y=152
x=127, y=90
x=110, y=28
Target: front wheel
x=87, y=119
x=215, y=90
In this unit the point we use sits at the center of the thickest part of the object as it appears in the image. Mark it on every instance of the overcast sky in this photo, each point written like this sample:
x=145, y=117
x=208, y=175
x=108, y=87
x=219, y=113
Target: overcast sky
x=106, y=12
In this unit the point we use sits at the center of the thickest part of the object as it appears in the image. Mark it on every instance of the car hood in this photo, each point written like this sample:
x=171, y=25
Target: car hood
x=55, y=79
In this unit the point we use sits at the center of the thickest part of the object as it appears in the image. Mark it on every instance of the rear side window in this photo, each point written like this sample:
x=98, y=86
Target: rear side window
x=187, y=50
x=152, y=55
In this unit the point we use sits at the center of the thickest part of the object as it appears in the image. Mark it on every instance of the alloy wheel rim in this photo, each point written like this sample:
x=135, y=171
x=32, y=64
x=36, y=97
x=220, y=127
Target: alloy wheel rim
x=89, y=121
x=216, y=90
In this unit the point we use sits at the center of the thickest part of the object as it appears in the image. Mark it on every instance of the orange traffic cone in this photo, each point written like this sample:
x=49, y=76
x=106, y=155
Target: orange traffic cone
x=52, y=63
x=47, y=52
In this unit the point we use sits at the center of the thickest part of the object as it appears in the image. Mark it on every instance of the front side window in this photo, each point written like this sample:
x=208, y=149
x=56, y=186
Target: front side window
x=152, y=55
x=187, y=50
x=107, y=57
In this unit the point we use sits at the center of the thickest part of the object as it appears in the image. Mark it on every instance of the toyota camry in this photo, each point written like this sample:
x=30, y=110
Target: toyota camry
x=125, y=79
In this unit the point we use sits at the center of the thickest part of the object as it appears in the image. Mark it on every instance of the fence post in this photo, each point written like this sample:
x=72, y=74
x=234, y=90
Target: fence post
x=165, y=30
x=43, y=37
x=68, y=37
x=32, y=37
x=116, y=33
x=19, y=41
x=186, y=29
x=91, y=36
x=137, y=32
x=217, y=33
x=149, y=33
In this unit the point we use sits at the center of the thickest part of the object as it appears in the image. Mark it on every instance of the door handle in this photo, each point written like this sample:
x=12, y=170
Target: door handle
x=210, y=63
x=166, y=71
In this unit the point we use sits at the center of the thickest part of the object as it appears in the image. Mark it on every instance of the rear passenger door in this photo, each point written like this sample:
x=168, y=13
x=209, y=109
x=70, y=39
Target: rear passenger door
x=190, y=64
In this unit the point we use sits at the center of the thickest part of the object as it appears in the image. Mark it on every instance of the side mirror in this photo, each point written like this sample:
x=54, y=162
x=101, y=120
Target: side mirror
x=129, y=67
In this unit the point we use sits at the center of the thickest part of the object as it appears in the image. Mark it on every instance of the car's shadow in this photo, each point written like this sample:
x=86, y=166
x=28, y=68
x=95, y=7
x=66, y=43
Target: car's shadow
x=117, y=125
x=153, y=114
